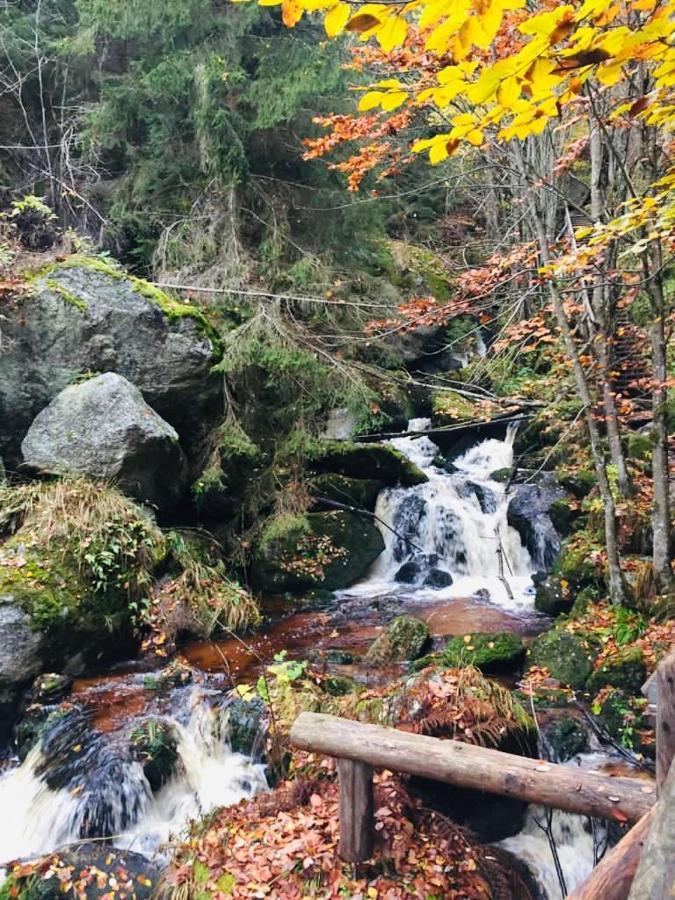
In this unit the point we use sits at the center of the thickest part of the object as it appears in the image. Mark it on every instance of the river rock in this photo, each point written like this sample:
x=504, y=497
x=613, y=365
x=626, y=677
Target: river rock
x=565, y=738
x=528, y=513
x=404, y=639
x=20, y=646
x=84, y=316
x=104, y=428
x=381, y=462
x=553, y=595
x=625, y=669
x=564, y=655
x=328, y=550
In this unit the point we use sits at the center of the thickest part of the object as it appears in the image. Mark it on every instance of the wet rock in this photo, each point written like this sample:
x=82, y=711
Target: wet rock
x=486, y=498
x=359, y=492
x=406, y=524
x=553, y=596
x=491, y=653
x=404, y=639
x=51, y=687
x=380, y=462
x=438, y=578
x=154, y=744
x=104, y=428
x=85, y=316
x=579, y=484
x=625, y=670
x=338, y=685
x=21, y=647
x=246, y=720
x=501, y=475
x=565, y=738
x=564, y=656
x=35, y=721
x=528, y=513
x=328, y=550
x=93, y=868
x=410, y=572
x=177, y=674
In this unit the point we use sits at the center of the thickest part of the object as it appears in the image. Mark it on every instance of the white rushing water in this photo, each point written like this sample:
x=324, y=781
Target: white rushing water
x=106, y=792
x=578, y=842
x=453, y=525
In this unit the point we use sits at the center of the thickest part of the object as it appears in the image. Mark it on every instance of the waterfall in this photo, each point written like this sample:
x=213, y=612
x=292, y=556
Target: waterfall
x=79, y=783
x=448, y=534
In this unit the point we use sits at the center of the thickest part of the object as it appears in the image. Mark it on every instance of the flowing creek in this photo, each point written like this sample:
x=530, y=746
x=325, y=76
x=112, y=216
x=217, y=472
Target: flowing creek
x=450, y=558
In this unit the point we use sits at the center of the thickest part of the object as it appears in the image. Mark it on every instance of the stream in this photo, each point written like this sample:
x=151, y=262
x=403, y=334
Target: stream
x=450, y=558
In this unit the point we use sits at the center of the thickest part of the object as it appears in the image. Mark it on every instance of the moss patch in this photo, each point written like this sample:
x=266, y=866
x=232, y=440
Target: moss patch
x=491, y=653
x=626, y=669
x=564, y=655
x=404, y=639
x=374, y=461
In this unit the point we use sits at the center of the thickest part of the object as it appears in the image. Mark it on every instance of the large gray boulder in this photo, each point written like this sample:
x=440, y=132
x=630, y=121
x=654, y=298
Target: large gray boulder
x=529, y=513
x=20, y=645
x=104, y=428
x=83, y=316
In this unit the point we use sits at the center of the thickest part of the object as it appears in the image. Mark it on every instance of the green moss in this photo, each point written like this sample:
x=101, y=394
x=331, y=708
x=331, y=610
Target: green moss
x=625, y=669
x=173, y=309
x=564, y=655
x=328, y=550
x=576, y=562
x=491, y=653
x=66, y=295
x=48, y=590
x=404, y=639
x=377, y=461
x=449, y=407
x=359, y=492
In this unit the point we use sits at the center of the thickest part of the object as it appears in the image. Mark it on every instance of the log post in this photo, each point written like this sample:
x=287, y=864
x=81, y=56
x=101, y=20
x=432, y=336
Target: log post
x=664, y=682
x=356, y=810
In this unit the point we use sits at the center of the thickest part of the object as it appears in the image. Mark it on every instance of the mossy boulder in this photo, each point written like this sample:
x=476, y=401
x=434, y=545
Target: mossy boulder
x=154, y=744
x=318, y=550
x=491, y=653
x=379, y=462
x=246, y=718
x=564, y=655
x=359, y=492
x=501, y=475
x=579, y=483
x=85, y=315
x=553, y=596
x=625, y=670
x=403, y=639
x=565, y=738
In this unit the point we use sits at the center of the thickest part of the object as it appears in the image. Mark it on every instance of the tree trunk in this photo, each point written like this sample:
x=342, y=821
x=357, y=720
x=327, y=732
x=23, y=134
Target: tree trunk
x=601, y=343
x=663, y=575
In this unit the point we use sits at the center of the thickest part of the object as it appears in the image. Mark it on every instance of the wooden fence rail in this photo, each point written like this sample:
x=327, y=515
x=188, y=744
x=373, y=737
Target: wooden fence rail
x=360, y=747
x=643, y=862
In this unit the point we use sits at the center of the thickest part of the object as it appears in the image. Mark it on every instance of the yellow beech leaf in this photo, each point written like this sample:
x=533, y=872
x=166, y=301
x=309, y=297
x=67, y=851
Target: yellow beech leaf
x=475, y=137
x=509, y=92
x=291, y=12
x=270, y=2
x=336, y=19
x=371, y=100
x=609, y=74
x=393, y=99
x=392, y=33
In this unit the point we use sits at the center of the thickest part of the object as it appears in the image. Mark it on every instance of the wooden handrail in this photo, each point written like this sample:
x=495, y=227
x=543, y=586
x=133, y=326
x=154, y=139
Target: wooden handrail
x=464, y=765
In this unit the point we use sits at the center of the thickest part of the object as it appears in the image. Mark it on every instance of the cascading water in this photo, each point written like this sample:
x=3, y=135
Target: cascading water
x=451, y=534
x=561, y=848
x=79, y=783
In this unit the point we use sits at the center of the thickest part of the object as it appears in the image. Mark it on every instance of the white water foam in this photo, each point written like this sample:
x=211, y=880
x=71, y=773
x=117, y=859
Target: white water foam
x=456, y=523
x=208, y=775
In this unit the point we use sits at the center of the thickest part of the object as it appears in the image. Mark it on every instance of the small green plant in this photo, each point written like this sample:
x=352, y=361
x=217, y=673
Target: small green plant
x=31, y=203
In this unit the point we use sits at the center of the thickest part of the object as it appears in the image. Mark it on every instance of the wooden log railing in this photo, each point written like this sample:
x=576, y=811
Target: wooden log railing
x=360, y=747
x=642, y=863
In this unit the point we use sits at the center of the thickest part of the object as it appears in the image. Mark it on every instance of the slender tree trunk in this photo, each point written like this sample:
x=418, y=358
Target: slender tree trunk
x=663, y=574
x=601, y=315
x=617, y=587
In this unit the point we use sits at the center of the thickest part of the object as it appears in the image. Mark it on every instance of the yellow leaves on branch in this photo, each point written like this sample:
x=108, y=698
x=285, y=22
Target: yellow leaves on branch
x=513, y=68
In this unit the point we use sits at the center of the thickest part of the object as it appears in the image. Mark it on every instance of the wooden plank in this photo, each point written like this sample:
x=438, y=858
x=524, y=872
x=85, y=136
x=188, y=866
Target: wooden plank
x=664, y=683
x=655, y=876
x=356, y=810
x=465, y=765
x=611, y=879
